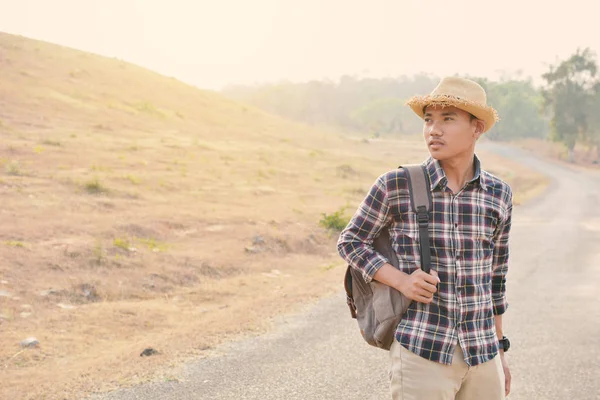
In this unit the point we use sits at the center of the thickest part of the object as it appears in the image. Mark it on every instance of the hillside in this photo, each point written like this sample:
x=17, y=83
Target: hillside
x=138, y=211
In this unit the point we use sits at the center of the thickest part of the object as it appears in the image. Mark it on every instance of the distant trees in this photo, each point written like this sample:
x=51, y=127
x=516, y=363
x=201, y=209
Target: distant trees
x=566, y=108
x=593, y=132
x=381, y=116
x=372, y=106
x=376, y=106
x=519, y=103
x=572, y=96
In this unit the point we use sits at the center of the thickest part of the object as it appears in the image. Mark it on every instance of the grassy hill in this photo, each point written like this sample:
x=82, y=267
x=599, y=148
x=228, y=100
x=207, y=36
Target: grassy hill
x=138, y=211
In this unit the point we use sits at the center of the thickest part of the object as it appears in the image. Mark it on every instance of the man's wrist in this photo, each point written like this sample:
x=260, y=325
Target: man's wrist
x=400, y=281
x=391, y=276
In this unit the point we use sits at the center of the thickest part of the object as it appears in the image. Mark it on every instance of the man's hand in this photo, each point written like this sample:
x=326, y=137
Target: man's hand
x=507, y=377
x=420, y=286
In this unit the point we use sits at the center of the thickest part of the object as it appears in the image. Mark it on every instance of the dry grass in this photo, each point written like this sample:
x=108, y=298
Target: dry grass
x=156, y=214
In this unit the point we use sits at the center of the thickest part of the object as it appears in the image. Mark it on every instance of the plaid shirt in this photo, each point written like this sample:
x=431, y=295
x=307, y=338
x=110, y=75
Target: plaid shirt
x=469, y=250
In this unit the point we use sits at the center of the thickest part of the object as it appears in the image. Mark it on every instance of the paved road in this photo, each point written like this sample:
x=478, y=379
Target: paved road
x=553, y=320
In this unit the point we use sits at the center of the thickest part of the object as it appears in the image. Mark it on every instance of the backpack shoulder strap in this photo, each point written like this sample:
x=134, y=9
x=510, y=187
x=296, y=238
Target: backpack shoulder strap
x=421, y=201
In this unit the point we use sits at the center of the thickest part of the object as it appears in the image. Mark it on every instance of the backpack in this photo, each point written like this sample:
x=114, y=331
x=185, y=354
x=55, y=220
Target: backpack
x=378, y=308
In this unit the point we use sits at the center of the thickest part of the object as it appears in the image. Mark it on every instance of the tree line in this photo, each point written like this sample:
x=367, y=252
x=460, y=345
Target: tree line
x=564, y=108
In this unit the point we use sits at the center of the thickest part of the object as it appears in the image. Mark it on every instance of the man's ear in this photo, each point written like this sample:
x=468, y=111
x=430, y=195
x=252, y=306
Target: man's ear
x=479, y=128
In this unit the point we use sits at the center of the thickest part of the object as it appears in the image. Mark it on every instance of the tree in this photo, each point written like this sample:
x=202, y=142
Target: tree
x=569, y=92
x=593, y=122
x=518, y=103
x=385, y=116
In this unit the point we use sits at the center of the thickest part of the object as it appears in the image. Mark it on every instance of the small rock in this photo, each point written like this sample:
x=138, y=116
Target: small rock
x=4, y=282
x=26, y=306
x=4, y=293
x=16, y=298
x=65, y=306
x=30, y=343
x=258, y=240
x=25, y=314
x=148, y=352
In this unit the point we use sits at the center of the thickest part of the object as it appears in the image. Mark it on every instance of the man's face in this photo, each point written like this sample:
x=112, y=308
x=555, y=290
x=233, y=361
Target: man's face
x=450, y=132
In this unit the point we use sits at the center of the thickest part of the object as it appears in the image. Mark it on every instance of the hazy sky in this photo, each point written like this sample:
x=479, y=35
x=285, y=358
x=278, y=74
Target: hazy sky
x=214, y=42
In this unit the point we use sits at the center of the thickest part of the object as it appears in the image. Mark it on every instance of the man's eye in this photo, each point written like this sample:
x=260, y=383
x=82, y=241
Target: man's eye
x=449, y=119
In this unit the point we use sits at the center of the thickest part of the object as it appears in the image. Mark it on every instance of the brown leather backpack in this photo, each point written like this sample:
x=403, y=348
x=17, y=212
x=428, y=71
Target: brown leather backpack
x=378, y=308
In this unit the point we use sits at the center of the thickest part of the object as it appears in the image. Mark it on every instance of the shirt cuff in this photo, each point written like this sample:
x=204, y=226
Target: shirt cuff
x=372, y=265
x=499, y=305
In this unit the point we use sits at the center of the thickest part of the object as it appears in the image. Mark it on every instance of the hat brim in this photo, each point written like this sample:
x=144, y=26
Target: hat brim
x=483, y=112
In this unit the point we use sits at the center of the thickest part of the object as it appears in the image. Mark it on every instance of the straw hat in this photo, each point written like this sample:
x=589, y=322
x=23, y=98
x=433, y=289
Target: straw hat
x=460, y=93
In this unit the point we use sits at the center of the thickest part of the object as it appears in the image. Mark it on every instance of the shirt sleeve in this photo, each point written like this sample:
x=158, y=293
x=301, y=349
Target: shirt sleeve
x=355, y=243
x=500, y=261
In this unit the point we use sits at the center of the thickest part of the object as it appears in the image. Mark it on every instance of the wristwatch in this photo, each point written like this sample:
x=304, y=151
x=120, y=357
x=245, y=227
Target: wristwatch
x=504, y=343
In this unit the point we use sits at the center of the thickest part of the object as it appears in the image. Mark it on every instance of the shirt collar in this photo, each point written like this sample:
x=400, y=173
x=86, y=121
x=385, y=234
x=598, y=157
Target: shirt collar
x=437, y=176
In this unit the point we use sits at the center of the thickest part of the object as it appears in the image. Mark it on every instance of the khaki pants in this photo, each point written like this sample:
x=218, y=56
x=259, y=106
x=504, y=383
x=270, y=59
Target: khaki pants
x=415, y=378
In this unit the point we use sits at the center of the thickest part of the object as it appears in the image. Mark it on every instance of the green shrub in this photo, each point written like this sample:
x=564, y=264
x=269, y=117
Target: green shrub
x=94, y=186
x=14, y=243
x=121, y=243
x=153, y=244
x=133, y=179
x=335, y=221
x=13, y=168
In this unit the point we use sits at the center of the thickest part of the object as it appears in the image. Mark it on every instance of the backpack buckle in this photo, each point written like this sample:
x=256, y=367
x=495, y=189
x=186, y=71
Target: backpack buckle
x=422, y=216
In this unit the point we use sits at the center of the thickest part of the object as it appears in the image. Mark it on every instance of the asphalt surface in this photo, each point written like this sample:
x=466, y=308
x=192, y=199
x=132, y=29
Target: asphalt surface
x=553, y=320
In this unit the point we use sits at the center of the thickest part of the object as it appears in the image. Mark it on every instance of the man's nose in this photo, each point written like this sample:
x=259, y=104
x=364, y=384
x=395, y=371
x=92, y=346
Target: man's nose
x=435, y=129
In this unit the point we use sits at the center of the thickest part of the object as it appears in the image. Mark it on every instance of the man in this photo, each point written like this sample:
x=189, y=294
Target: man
x=449, y=344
